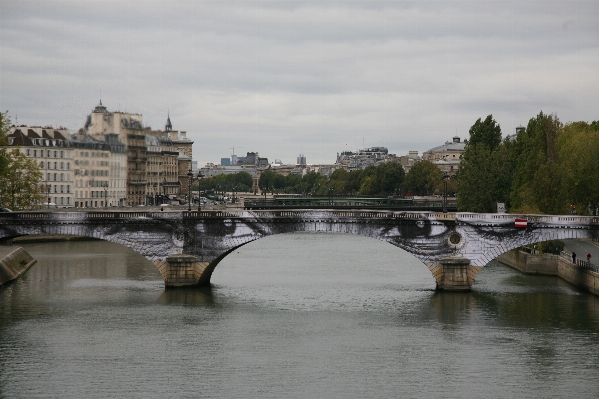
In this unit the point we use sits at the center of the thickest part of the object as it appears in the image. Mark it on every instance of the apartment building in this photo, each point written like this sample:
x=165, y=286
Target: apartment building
x=51, y=148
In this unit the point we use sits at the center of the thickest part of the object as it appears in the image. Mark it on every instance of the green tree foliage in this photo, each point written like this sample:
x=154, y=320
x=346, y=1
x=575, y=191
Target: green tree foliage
x=424, y=178
x=485, y=134
x=4, y=131
x=385, y=179
x=240, y=182
x=537, y=183
x=19, y=175
x=549, y=168
x=484, y=176
x=551, y=246
x=19, y=182
x=578, y=145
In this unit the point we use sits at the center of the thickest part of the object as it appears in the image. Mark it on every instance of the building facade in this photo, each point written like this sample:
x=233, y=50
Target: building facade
x=51, y=148
x=155, y=159
x=447, y=157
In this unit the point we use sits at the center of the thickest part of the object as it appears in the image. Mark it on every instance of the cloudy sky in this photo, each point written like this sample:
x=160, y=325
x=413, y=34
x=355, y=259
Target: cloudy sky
x=285, y=77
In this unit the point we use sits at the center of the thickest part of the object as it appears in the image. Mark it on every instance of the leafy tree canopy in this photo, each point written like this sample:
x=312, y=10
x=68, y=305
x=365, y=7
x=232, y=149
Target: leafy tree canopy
x=485, y=133
x=424, y=178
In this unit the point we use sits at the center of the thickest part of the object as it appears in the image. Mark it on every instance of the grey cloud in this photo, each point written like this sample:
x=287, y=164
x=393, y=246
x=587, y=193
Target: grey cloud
x=285, y=77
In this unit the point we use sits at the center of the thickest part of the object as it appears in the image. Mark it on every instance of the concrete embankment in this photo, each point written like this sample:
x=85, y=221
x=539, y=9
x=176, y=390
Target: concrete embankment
x=14, y=261
x=552, y=265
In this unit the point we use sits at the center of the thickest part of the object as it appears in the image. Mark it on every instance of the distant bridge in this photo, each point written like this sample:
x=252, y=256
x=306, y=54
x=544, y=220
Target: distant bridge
x=431, y=204
x=187, y=246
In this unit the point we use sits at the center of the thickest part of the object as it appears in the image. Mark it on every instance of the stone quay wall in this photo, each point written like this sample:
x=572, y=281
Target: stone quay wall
x=14, y=261
x=552, y=265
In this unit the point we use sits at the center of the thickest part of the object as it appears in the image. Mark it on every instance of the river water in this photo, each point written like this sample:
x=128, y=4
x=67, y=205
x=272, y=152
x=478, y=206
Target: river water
x=290, y=316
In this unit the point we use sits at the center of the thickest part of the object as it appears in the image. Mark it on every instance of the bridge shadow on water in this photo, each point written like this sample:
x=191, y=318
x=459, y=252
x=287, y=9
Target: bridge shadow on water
x=197, y=296
x=317, y=272
x=503, y=297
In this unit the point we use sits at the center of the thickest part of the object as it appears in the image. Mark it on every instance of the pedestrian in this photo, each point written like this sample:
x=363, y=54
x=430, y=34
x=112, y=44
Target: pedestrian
x=589, y=257
x=574, y=257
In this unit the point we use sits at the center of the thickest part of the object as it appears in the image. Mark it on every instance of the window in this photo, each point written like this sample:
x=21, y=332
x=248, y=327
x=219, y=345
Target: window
x=62, y=154
x=62, y=165
x=55, y=154
x=35, y=153
x=28, y=153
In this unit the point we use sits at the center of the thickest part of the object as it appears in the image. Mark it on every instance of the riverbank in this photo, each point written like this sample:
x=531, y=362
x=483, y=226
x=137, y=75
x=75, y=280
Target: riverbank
x=14, y=261
x=552, y=265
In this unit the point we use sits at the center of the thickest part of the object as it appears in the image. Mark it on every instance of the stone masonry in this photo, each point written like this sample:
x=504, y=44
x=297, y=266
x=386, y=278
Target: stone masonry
x=187, y=246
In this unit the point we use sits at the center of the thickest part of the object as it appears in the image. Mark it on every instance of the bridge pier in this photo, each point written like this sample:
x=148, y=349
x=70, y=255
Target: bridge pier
x=183, y=271
x=454, y=274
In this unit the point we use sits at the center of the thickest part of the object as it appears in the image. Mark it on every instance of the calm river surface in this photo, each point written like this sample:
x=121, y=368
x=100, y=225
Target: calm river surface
x=290, y=316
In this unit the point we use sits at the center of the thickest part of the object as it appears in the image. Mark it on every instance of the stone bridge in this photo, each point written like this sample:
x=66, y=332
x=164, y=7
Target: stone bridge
x=187, y=246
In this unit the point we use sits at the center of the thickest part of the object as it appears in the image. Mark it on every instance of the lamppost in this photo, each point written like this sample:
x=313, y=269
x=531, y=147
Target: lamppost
x=16, y=188
x=200, y=175
x=331, y=189
x=445, y=178
x=189, y=179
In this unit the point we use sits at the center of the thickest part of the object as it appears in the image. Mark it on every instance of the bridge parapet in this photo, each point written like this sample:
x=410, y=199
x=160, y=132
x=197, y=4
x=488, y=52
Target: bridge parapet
x=571, y=220
x=210, y=235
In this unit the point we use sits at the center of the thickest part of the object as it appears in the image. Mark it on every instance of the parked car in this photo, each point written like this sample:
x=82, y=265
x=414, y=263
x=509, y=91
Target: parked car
x=5, y=210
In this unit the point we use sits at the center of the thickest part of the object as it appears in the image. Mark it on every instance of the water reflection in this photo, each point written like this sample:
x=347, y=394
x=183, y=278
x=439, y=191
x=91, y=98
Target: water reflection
x=296, y=316
x=203, y=296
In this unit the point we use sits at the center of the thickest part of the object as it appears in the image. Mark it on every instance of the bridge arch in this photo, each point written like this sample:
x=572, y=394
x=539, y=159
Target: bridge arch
x=187, y=246
x=154, y=235
x=212, y=265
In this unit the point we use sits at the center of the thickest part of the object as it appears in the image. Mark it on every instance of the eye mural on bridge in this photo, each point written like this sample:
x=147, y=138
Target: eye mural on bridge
x=187, y=246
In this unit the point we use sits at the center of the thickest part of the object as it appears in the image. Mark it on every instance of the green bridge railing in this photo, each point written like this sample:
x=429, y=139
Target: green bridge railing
x=405, y=204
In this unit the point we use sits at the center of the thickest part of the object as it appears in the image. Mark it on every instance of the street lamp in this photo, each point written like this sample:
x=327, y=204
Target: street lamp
x=445, y=178
x=189, y=179
x=200, y=175
x=16, y=188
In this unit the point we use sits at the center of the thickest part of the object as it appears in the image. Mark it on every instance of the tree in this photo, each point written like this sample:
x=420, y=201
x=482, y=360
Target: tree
x=4, y=131
x=578, y=152
x=485, y=133
x=484, y=175
x=424, y=177
x=390, y=177
x=537, y=184
x=19, y=182
x=266, y=181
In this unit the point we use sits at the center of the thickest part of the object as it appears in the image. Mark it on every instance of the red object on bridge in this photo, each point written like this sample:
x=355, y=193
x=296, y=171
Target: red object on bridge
x=521, y=223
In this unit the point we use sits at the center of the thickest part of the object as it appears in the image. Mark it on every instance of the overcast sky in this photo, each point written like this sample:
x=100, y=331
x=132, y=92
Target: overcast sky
x=284, y=78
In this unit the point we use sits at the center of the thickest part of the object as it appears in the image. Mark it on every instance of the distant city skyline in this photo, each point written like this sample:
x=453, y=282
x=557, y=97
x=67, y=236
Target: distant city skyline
x=289, y=78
